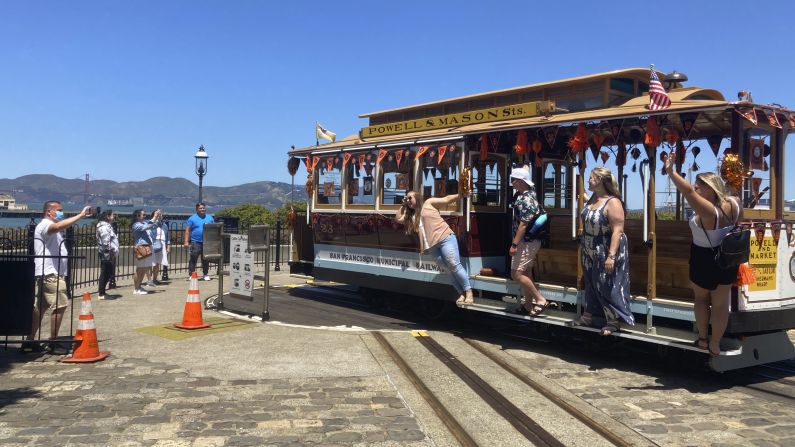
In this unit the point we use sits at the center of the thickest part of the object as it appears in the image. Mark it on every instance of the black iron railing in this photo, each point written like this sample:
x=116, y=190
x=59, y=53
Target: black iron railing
x=81, y=241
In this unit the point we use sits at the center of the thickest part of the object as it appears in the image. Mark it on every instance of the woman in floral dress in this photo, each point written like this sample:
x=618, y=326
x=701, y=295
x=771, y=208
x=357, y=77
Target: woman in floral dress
x=605, y=260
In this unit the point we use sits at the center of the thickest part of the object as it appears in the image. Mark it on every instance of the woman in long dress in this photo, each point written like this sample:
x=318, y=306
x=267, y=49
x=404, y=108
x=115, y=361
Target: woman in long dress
x=605, y=259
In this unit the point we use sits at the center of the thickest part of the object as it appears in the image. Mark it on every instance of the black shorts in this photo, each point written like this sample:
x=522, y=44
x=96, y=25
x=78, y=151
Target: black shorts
x=704, y=271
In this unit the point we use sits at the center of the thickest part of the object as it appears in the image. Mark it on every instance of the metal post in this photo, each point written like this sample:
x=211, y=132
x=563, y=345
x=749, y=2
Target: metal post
x=276, y=267
x=219, y=304
x=112, y=280
x=69, y=241
x=266, y=314
x=201, y=167
x=31, y=235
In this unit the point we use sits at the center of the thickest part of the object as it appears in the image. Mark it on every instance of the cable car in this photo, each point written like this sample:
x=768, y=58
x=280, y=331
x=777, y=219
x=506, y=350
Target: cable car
x=356, y=185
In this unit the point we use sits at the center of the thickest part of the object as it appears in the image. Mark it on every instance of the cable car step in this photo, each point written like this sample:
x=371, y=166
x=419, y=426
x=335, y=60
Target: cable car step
x=665, y=336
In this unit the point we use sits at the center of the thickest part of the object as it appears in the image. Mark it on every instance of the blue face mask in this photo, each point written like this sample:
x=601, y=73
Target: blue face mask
x=58, y=215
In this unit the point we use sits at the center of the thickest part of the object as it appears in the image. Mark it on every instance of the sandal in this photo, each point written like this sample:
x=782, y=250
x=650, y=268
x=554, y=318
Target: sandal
x=585, y=320
x=538, y=309
x=610, y=328
x=462, y=300
x=521, y=310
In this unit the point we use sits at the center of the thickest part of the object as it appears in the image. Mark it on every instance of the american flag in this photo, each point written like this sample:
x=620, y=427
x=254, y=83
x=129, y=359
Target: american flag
x=658, y=99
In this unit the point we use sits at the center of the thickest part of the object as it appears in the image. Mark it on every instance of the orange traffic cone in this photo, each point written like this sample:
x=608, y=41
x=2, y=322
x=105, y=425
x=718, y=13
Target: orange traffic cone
x=87, y=347
x=192, y=316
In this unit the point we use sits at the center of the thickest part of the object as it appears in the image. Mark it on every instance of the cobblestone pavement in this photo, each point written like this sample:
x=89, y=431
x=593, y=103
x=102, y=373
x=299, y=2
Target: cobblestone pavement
x=135, y=402
x=671, y=408
x=324, y=388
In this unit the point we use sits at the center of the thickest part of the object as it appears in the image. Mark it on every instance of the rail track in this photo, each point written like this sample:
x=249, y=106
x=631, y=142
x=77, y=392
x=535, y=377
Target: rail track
x=533, y=430
x=770, y=384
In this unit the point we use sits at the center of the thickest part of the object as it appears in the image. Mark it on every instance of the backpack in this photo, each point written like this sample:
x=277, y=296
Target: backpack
x=539, y=229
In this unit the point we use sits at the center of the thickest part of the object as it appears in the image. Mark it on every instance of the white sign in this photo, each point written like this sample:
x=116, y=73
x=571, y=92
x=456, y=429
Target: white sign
x=412, y=262
x=241, y=266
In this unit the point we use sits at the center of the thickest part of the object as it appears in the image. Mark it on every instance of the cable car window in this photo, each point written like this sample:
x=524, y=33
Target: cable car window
x=396, y=178
x=556, y=185
x=789, y=174
x=697, y=141
x=440, y=170
x=488, y=181
x=360, y=171
x=329, y=182
x=756, y=187
x=624, y=85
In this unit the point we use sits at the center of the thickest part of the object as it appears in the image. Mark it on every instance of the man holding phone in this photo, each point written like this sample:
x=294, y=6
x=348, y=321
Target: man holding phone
x=50, y=270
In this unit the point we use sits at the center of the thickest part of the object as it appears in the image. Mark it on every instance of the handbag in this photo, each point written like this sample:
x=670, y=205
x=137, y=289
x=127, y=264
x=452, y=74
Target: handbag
x=143, y=251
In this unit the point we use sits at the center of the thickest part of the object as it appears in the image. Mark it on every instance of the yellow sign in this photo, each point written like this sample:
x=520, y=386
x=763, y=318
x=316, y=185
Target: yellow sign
x=514, y=111
x=763, y=258
x=764, y=253
x=765, y=278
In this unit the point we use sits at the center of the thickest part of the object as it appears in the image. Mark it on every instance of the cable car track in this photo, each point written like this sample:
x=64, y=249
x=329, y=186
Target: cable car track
x=531, y=429
x=773, y=382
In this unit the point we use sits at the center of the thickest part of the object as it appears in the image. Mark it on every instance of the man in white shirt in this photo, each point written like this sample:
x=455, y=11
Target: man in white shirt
x=51, y=268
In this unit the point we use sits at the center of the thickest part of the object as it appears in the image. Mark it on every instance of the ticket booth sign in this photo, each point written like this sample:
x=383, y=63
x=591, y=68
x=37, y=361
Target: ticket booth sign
x=241, y=269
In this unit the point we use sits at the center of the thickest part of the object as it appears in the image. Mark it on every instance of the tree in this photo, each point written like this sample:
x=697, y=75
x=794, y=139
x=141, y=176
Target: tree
x=253, y=214
x=249, y=214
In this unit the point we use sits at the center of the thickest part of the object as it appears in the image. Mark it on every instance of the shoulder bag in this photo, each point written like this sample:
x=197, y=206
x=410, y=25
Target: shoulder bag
x=143, y=251
x=734, y=249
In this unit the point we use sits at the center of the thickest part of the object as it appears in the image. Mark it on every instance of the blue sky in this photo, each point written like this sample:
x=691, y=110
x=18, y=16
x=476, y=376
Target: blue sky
x=129, y=90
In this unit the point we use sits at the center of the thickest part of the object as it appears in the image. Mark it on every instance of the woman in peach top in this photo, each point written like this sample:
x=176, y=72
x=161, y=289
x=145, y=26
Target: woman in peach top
x=436, y=237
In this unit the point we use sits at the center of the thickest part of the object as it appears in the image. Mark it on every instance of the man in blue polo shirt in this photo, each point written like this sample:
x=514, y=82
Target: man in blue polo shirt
x=194, y=238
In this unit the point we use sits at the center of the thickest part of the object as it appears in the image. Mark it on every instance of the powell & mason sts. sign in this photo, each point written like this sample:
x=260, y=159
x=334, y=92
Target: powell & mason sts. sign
x=514, y=111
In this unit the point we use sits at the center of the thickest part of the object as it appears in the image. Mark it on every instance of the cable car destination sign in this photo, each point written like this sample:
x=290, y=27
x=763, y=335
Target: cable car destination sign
x=514, y=111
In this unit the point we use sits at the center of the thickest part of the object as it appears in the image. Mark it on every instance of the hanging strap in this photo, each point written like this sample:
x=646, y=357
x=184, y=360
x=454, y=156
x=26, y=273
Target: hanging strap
x=736, y=216
x=732, y=222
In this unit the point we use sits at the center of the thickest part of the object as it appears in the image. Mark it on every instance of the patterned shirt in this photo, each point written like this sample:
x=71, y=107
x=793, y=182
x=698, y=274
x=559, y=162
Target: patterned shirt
x=107, y=242
x=525, y=209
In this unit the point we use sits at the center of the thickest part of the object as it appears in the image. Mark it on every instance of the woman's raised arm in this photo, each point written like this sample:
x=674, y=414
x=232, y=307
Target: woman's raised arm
x=703, y=207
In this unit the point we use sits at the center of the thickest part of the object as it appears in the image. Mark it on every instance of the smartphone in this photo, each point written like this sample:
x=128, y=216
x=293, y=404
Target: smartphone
x=94, y=210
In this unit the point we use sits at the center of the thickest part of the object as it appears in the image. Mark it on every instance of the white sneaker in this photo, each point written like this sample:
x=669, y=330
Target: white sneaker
x=101, y=297
x=140, y=292
x=151, y=284
x=206, y=278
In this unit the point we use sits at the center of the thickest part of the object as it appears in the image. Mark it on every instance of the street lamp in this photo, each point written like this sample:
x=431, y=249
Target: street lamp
x=201, y=167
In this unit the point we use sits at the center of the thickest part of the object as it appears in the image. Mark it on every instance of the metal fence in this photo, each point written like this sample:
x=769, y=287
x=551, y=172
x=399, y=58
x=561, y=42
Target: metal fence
x=81, y=242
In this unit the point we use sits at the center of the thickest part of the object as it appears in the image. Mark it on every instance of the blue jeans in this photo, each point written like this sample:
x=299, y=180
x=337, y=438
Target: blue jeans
x=446, y=255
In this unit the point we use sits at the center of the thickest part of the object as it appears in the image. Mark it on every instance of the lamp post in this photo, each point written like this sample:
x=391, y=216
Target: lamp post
x=202, y=160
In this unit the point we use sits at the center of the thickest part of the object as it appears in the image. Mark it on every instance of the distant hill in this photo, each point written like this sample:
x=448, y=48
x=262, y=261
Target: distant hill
x=156, y=191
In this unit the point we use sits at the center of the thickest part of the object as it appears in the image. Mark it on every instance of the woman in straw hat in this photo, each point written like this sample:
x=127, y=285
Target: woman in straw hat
x=715, y=215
